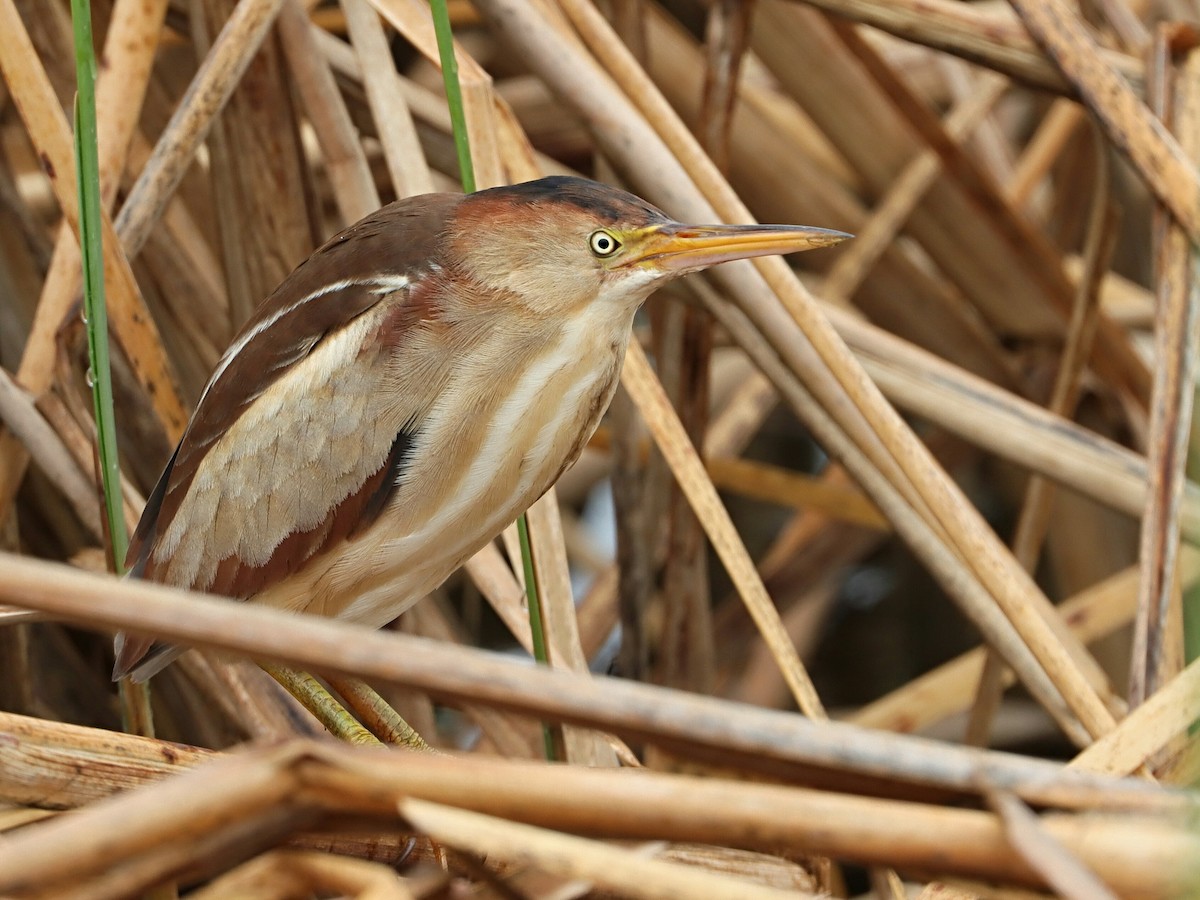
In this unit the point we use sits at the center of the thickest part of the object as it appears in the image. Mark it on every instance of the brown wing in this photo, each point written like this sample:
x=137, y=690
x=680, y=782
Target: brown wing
x=296, y=442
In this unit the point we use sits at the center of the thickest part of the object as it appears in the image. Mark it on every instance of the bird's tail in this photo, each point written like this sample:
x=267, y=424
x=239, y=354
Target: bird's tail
x=140, y=657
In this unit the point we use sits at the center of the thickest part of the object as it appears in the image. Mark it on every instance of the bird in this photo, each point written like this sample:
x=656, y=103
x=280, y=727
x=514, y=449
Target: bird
x=408, y=391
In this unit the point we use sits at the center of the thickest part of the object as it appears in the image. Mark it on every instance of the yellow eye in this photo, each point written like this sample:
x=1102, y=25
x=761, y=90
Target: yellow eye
x=603, y=244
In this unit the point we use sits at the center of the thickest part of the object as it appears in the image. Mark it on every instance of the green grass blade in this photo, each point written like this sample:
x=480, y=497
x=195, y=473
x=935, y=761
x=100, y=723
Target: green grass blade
x=87, y=175
x=135, y=698
x=445, y=42
x=537, y=633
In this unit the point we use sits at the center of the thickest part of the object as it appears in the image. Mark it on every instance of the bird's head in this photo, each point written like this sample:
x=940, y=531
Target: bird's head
x=563, y=242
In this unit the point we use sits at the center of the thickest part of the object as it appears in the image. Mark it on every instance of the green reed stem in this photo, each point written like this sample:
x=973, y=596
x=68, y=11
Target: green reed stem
x=135, y=698
x=445, y=42
x=87, y=174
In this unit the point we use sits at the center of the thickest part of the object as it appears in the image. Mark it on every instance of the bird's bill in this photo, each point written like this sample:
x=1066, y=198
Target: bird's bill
x=682, y=248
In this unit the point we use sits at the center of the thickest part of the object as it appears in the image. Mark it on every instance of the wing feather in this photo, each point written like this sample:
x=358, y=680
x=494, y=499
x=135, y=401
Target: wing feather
x=275, y=489
x=297, y=440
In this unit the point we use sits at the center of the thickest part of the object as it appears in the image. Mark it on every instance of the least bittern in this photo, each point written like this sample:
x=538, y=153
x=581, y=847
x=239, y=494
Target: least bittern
x=408, y=391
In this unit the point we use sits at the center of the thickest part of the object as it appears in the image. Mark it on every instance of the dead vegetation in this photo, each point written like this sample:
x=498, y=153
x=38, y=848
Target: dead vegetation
x=1000, y=368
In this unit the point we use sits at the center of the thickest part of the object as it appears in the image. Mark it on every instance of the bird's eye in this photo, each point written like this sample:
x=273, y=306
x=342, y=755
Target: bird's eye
x=603, y=244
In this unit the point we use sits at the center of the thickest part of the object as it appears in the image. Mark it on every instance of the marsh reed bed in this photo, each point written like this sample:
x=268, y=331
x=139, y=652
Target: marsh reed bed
x=878, y=575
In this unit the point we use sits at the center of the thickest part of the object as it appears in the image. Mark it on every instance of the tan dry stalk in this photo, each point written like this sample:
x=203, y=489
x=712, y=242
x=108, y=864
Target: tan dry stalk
x=1150, y=728
x=1157, y=647
x=129, y=51
x=1016, y=287
x=43, y=759
x=257, y=173
x=1129, y=124
x=512, y=736
x=39, y=441
x=1059, y=868
x=291, y=873
x=248, y=696
x=1037, y=505
x=782, y=169
x=1141, y=856
x=947, y=568
x=774, y=484
x=734, y=425
x=1043, y=149
x=811, y=347
x=499, y=586
x=50, y=133
x=1005, y=424
x=611, y=868
x=558, y=620
x=981, y=35
x=406, y=163
x=890, y=213
x=740, y=736
x=345, y=160
x=1094, y=613
x=672, y=440
x=411, y=19
x=232, y=51
x=1112, y=355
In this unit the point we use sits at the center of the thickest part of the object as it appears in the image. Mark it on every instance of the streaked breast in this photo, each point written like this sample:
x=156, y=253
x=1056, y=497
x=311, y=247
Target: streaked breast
x=499, y=435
